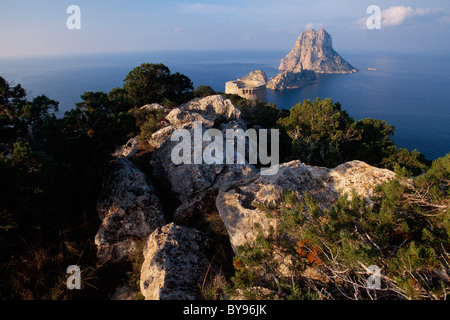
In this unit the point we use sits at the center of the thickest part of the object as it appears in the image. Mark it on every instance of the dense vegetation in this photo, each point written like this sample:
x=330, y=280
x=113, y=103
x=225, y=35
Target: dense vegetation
x=320, y=133
x=52, y=171
x=326, y=253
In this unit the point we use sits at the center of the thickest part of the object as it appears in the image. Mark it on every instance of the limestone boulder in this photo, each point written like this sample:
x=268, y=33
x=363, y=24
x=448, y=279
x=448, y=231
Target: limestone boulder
x=212, y=107
x=129, y=210
x=128, y=150
x=153, y=107
x=205, y=110
x=195, y=185
x=235, y=202
x=175, y=264
x=179, y=117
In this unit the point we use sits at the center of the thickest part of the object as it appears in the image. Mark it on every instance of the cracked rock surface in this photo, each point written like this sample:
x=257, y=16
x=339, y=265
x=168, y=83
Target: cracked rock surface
x=235, y=202
x=129, y=209
x=175, y=263
x=196, y=185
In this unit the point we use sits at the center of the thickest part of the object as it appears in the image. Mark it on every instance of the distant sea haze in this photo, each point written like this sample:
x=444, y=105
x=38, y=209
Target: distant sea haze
x=410, y=91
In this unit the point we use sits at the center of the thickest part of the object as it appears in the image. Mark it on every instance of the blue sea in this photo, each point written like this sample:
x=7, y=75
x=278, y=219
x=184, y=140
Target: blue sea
x=411, y=92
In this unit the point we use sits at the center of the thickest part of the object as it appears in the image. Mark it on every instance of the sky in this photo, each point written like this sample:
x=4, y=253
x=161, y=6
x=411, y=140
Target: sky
x=39, y=27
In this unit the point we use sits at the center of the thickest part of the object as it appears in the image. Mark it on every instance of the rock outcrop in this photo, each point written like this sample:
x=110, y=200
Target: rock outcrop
x=194, y=186
x=177, y=257
x=235, y=202
x=129, y=209
x=213, y=107
x=257, y=75
x=175, y=264
x=205, y=110
x=153, y=107
x=128, y=150
x=312, y=52
x=292, y=80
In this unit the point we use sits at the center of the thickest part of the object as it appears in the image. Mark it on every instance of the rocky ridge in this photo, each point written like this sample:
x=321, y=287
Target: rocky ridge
x=129, y=210
x=235, y=203
x=175, y=263
x=194, y=186
x=177, y=255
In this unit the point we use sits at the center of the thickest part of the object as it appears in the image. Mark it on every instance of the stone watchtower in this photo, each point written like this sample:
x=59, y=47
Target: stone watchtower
x=251, y=87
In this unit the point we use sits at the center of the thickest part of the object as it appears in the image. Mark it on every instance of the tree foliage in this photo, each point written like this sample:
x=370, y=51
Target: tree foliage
x=153, y=83
x=321, y=133
x=325, y=253
x=52, y=171
x=19, y=116
x=319, y=130
x=204, y=91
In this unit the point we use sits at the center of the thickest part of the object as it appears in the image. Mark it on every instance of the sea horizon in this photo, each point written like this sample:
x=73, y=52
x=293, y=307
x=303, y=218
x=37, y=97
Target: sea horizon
x=406, y=90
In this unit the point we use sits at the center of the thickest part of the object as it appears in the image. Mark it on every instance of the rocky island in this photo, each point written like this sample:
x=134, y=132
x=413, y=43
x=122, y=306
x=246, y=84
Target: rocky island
x=312, y=54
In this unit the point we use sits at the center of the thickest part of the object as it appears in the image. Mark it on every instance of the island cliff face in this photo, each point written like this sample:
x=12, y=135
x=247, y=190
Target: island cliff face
x=312, y=54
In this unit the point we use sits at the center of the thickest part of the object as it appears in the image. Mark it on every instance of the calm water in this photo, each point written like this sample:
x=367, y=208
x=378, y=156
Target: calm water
x=410, y=92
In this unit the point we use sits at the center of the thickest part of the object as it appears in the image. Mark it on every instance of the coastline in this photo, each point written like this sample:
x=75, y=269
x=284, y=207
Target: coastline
x=385, y=94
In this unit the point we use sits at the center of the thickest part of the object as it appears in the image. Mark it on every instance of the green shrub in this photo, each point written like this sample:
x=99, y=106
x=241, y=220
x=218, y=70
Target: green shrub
x=151, y=125
x=405, y=231
x=320, y=133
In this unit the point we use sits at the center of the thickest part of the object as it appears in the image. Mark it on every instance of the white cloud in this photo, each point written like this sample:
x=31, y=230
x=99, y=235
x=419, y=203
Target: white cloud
x=395, y=16
x=314, y=25
x=398, y=15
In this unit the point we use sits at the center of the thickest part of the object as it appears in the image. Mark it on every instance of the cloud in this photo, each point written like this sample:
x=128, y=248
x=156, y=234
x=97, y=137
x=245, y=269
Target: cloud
x=399, y=15
x=395, y=16
x=314, y=25
x=179, y=30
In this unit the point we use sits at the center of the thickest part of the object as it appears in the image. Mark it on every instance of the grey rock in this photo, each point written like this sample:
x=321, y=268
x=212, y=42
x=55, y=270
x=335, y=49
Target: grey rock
x=152, y=107
x=175, y=264
x=205, y=110
x=292, y=80
x=196, y=185
x=212, y=107
x=128, y=150
x=312, y=52
x=129, y=209
x=235, y=202
x=178, y=117
x=257, y=75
